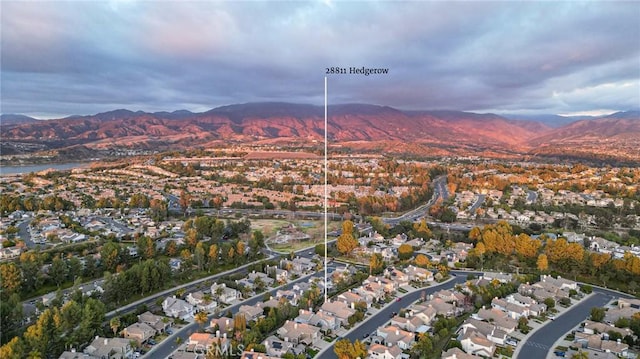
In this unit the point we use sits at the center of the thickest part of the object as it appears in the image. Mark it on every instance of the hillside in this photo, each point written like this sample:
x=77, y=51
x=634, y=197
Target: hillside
x=384, y=128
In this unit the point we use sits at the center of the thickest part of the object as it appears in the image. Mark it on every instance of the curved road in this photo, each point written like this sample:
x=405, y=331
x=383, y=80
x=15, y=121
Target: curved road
x=541, y=342
x=371, y=324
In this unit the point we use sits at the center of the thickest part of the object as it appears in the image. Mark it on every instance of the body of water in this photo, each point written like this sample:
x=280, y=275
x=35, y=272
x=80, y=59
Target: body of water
x=14, y=170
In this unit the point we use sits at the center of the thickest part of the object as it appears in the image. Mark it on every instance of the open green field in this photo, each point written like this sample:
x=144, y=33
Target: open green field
x=315, y=229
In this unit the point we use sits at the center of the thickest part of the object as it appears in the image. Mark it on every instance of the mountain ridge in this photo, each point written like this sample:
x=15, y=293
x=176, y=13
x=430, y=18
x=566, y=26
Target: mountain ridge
x=452, y=132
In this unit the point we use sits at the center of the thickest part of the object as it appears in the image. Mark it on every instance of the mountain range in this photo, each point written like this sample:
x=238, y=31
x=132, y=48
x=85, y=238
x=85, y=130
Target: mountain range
x=361, y=126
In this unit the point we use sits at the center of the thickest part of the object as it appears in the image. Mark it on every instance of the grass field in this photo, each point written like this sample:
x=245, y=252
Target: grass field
x=315, y=229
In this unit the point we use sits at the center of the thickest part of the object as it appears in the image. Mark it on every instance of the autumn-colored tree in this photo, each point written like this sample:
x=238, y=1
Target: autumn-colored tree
x=423, y=261
x=480, y=250
x=13, y=349
x=405, y=251
x=186, y=257
x=11, y=279
x=376, y=264
x=171, y=248
x=475, y=234
x=184, y=200
x=213, y=255
x=201, y=319
x=422, y=230
x=527, y=246
x=199, y=255
x=114, y=323
x=598, y=260
x=346, y=242
x=191, y=238
x=542, y=263
x=344, y=349
x=239, y=322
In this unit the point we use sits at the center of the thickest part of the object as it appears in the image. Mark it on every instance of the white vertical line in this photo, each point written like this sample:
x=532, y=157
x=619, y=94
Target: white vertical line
x=326, y=204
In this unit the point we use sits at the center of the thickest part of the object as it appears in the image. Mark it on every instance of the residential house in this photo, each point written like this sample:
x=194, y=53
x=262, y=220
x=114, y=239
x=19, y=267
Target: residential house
x=256, y=355
x=177, y=308
x=201, y=301
x=514, y=311
x=351, y=298
x=276, y=347
x=298, y=333
x=499, y=318
x=500, y=277
x=591, y=327
x=112, y=348
x=291, y=296
x=394, y=336
x=397, y=276
x=139, y=332
x=599, y=343
x=388, y=285
x=223, y=294
x=339, y=310
x=252, y=312
x=72, y=354
x=323, y=320
x=222, y=325
x=488, y=330
x=456, y=353
x=159, y=323
x=477, y=344
x=201, y=342
x=418, y=274
x=378, y=351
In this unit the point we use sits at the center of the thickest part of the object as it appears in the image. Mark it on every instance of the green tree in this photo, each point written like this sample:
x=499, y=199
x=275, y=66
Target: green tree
x=597, y=314
x=423, y=347
x=146, y=247
x=58, y=271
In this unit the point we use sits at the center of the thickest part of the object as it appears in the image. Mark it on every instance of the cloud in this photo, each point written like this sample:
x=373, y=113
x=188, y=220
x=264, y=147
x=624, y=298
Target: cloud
x=85, y=57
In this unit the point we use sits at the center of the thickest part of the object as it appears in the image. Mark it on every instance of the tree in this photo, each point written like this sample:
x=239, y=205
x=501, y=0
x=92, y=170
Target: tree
x=199, y=255
x=423, y=261
x=146, y=247
x=110, y=256
x=171, y=249
x=376, y=264
x=344, y=349
x=58, y=271
x=422, y=230
x=184, y=200
x=423, y=347
x=346, y=242
x=11, y=278
x=597, y=314
x=542, y=263
x=114, y=323
x=201, y=318
x=475, y=234
x=405, y=251
x=213, y=255
x=550, y=303
x=13, y=349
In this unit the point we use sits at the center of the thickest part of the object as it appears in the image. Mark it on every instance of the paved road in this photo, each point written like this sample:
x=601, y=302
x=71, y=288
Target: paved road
x=477, y=204
x=541, y=342
x=24, y=234
x=439, y=191
x=372, y=323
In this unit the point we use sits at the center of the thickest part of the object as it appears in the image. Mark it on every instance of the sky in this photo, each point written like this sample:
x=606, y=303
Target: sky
x=62, y=58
